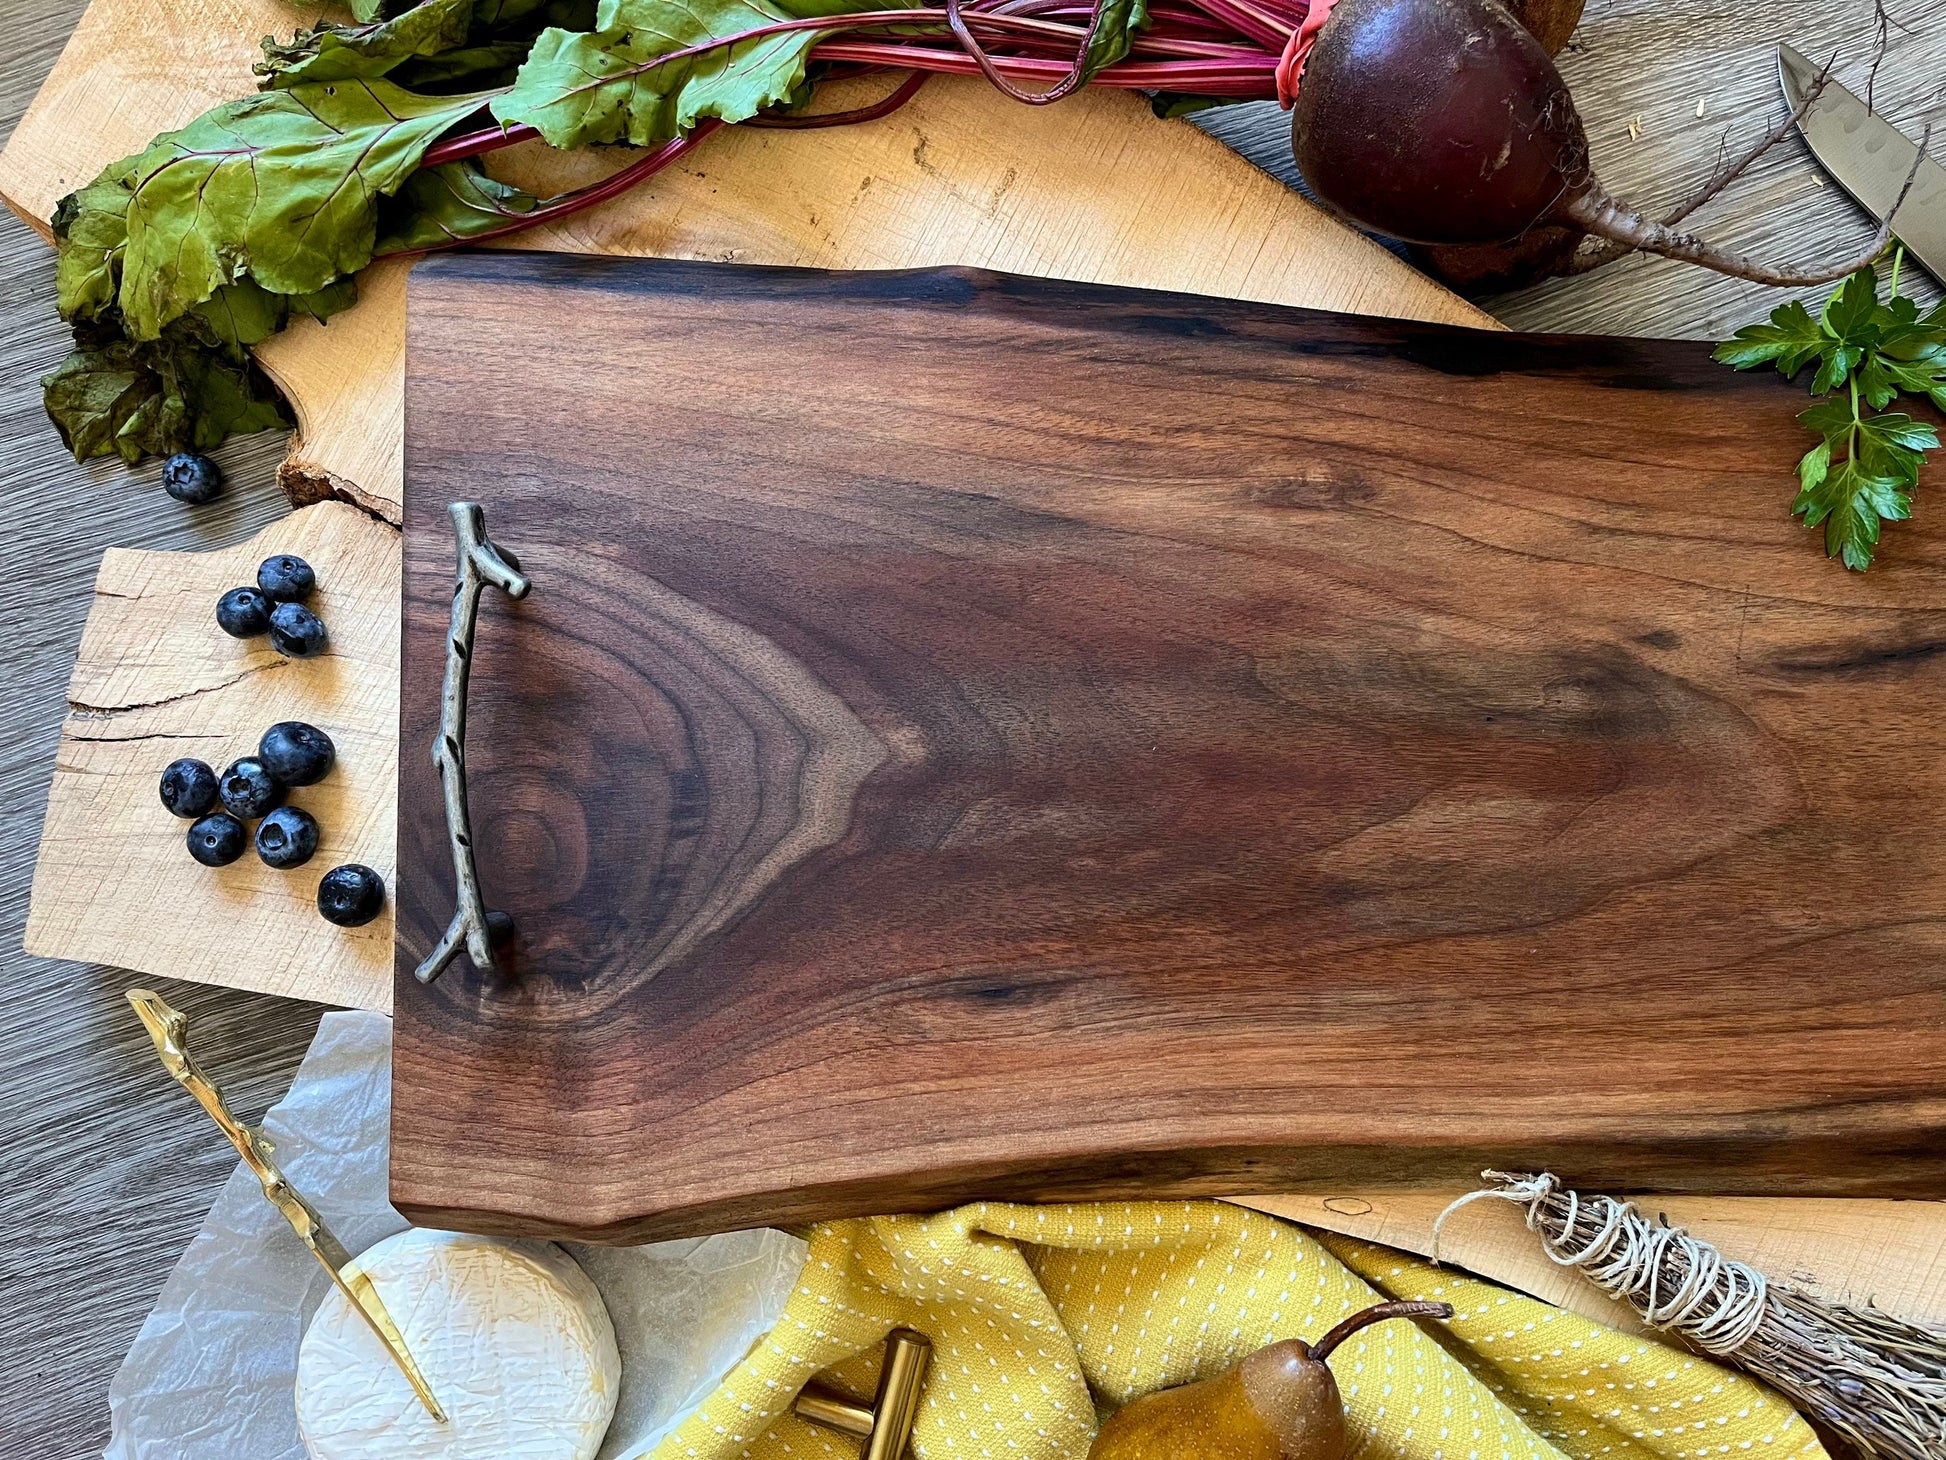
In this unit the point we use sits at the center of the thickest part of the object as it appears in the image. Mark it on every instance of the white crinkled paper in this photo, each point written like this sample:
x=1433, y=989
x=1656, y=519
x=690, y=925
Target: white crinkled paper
x=210, y=1375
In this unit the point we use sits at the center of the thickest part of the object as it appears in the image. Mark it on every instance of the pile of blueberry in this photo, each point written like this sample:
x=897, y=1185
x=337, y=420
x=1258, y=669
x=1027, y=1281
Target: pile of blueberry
x=291, y=753
x=276, y=606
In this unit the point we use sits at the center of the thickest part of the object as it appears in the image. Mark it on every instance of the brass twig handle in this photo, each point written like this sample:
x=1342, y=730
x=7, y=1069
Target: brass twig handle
x=481, y=562
x=169, y=1031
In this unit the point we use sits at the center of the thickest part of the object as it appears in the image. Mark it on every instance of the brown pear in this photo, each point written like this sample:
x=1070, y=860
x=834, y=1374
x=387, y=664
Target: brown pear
x=1280, y=1403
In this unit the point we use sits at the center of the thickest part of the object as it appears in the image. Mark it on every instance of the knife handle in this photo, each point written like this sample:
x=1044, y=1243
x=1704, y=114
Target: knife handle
x=481, y=562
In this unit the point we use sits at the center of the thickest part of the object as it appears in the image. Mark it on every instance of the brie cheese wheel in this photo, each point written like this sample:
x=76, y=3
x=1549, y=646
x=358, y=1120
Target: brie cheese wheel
x=512, y=1337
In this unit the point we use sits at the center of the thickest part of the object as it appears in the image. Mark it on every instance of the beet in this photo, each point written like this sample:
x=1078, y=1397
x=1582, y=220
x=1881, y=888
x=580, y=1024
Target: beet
x=1445, y=122
x=1436, y=121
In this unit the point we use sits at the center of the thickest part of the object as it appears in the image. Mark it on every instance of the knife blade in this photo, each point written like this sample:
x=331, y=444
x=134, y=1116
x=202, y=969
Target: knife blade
x=168, y=1030
x=1870, y=159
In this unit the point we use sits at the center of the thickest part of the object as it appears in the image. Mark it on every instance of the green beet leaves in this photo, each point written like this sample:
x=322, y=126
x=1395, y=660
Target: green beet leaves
x=155, y=397
x=436, y=47
x=174, y=262
x=609, y=85
x=449, y=204
x=281, y=187
x=364, y=52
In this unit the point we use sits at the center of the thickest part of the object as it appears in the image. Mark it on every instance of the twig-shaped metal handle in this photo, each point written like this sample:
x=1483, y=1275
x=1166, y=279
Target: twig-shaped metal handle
x=480, y=562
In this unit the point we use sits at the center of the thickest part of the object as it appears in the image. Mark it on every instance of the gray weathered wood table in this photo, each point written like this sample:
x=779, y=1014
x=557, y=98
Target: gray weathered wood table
x=107, y=1169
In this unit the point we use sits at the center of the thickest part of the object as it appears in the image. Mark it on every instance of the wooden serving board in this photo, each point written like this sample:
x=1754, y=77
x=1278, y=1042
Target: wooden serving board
x=1050, y=741
x=156, y=679
x=1095, y=188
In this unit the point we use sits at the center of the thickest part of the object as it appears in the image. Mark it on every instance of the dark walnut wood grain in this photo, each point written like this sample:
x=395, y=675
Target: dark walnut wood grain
x=974, y=736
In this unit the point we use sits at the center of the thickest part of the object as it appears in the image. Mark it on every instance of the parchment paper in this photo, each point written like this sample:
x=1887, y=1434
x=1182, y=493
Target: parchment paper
x=210, y=1375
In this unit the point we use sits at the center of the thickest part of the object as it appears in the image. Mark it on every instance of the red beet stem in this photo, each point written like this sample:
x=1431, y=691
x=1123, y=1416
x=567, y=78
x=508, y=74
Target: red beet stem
x=581, y=199
x=475, y=144
x=907, y=89
x=1222, y=48
x=1245, y=80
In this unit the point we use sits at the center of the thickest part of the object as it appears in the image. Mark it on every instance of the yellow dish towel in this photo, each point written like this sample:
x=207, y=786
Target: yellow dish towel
x=1032, y=1307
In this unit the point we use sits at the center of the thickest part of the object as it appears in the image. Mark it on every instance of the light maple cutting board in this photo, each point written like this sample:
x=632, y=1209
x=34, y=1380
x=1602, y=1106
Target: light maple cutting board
x=1057, y=741
x=1095, y=188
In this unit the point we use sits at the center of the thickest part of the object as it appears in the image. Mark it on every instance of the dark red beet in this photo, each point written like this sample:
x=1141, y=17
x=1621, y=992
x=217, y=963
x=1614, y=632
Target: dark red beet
x=1444, y=122
x=1488, y=268
x=1436, y=121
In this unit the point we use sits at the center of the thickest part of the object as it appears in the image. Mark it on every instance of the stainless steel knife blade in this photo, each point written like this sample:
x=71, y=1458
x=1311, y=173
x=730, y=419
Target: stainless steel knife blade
x=1870, y=158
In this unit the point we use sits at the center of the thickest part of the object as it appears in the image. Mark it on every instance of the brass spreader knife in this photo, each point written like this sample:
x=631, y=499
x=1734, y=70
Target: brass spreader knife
x=169, y=1028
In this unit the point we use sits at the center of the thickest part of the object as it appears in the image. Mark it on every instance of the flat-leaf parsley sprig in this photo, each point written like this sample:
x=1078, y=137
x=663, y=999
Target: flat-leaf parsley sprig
x=1867, y=460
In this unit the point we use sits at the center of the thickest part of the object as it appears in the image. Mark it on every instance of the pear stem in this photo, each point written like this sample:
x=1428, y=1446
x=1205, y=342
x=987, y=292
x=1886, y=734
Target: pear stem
x=1377, y=1313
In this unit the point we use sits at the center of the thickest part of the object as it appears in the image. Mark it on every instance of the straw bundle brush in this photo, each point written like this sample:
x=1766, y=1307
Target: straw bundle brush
x=1876, y=1380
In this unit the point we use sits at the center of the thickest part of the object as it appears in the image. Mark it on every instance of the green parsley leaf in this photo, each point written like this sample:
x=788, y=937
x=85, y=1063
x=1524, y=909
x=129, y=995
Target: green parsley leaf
x=1893, y=444
x=1835, y=366
x=1862, y=471
x=1813, y=467
x=1850, y=502
x=1792, y=338
x=1851, y=314
x=1829, y=417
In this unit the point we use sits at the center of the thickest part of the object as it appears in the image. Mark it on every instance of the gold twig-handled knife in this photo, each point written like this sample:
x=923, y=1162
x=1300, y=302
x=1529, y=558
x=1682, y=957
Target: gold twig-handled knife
x=169, y=1029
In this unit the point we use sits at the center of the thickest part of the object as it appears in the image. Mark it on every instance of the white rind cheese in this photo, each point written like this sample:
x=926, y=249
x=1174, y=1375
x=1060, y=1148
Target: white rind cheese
x=512, y=1336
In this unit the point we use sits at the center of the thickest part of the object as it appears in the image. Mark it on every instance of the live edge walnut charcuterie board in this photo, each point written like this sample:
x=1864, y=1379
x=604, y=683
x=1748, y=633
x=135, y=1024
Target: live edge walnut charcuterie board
x=981, y=736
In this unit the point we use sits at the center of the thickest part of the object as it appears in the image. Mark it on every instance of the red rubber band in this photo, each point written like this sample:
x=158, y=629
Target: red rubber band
x=1290, y=65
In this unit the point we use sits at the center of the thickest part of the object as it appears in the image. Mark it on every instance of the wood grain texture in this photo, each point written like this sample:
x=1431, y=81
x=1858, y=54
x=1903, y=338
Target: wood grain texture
x=1110, y=741
x=1095, y=189
x=157, y=679
x=1889, y=1254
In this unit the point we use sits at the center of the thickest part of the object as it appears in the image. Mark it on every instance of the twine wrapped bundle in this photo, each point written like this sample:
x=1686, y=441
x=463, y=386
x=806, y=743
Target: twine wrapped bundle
x=1878, y=1381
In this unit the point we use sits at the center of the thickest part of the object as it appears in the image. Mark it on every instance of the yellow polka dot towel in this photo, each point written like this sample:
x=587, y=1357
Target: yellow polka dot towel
x=1040, y=1313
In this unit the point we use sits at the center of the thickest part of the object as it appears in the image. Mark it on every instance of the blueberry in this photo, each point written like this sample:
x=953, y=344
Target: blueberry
x=296, y=632
x=285, y=579
x=191, y=478
x=248, y=790
x=295, y=753
x=351, y=895
x=217, y=840
x=242, y=612
x=188, y=787
x=287, y=837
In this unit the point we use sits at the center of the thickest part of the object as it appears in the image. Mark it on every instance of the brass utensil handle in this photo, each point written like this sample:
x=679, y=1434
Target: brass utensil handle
x=169, y=1030
x=885, y=1425
x=481, y=561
